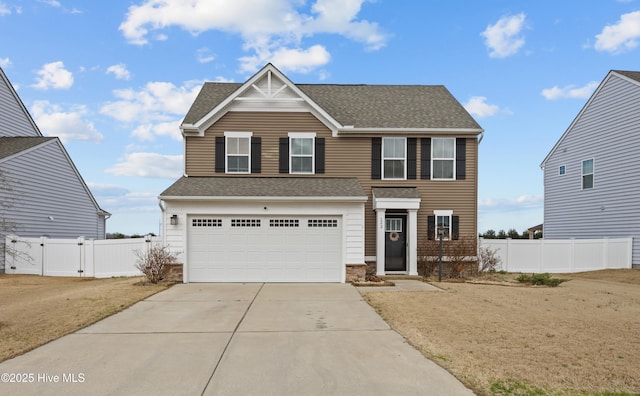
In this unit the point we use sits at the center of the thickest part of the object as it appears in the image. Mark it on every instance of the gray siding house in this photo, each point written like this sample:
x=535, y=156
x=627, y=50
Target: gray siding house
x=592, y=174
x=42, y=192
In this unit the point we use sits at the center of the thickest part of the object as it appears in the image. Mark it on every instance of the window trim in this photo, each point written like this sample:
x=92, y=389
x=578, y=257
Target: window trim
x=434, y=158
x=393, y=224
x=237, y=135
x=443, y=213
x=403, y=159
x=562, y=170
x=302, y=135
x=593, y=171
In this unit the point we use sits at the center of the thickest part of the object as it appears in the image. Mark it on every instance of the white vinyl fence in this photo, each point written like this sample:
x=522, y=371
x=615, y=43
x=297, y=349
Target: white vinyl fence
x=75, y=257
x=561, y=255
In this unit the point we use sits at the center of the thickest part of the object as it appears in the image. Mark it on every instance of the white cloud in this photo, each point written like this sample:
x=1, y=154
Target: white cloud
x=67, y=125
x=522, y=202
x=119, y=71
x=52, y=3
x=122, y=200
x=155, y=110
x=569, y=91
x=477, y=106
x=268, y=27
x=54, y=75
x=296, y=60
x=621, y=36
x=5, y=62
x=204, y=55
x=156, y=101
x=106, y=190
x=4, y=9
x=148, y=132
x=503, y=38
x=152, y=165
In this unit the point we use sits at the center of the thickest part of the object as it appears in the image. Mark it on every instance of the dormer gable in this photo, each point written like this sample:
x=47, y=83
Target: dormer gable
x=269, y=90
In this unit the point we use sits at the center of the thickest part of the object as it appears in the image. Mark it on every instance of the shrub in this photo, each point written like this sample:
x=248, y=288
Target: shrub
x=540, y=279
x=487, y=259
x=152, y=262
x=459, y=257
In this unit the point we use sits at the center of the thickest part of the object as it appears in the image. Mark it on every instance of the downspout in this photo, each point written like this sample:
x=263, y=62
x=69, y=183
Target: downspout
x=481, y=136
x=162, y=209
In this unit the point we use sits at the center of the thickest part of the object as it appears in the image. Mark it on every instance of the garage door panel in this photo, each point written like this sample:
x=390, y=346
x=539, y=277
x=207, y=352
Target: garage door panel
x=264, y=249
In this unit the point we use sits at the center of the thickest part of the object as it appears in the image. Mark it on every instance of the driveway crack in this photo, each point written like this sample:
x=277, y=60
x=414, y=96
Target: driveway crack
x=235, y=330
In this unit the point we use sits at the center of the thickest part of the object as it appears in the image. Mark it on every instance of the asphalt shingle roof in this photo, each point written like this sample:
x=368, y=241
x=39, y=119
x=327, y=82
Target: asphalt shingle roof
x=264, y=187
x=631, y=74
x=363, y=106
x=395, y=192
x=13, y=145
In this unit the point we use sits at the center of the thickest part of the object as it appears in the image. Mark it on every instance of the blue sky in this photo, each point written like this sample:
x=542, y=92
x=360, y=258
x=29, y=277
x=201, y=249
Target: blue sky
x=113, y=79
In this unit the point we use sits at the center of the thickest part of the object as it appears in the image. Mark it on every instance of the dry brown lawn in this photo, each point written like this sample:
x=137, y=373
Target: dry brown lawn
x=35, y=309
x=582, y=337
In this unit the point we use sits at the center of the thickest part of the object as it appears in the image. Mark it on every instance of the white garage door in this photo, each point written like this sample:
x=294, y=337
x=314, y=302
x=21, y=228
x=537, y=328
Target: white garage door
x=264, y=249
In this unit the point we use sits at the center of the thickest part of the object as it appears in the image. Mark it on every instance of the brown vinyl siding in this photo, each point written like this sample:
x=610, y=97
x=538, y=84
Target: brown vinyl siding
x=345, y=157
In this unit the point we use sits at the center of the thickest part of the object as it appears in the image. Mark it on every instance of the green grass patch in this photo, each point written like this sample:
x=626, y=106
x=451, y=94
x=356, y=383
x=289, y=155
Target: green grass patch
x=513, y=387
x=540, y=279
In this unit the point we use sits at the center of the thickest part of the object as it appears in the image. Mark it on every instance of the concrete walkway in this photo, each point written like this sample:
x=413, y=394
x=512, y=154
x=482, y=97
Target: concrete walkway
x=401, y=285
x=232, y=339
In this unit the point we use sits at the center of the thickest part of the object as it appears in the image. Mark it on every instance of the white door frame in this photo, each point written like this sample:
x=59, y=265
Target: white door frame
x=411, y=205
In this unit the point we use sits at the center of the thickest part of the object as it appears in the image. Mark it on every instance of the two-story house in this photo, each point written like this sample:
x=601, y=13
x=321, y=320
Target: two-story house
x=42, y=192
x=592, y=175
x=289, y=182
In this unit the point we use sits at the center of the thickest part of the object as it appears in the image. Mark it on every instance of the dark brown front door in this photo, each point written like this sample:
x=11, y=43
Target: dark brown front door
x=395, y=243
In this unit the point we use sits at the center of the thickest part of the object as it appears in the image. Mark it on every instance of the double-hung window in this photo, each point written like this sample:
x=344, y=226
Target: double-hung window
x=587, y=174
x=443, y=158
x=443, y=224
x=238, y=152
x=394, y=158
x=302, y=152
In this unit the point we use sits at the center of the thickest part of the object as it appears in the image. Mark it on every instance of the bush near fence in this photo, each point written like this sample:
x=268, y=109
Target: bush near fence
x=75, y=257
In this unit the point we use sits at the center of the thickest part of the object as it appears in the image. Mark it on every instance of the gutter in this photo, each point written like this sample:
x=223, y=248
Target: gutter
x=264, y=198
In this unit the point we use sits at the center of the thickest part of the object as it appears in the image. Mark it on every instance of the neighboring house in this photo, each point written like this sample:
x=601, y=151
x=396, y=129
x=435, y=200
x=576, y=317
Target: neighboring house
x=592, y=174
x=309, y=183
x=42, y=193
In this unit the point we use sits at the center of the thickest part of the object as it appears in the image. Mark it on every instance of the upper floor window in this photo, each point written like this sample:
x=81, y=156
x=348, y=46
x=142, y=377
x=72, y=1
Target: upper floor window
x=238, y=152
x=443, y=158
x=302, y=150
x=394, y=158
x=587, y=174
x=562, y=170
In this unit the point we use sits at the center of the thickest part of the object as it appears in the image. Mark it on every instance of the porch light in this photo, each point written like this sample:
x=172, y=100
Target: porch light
x=174, y=219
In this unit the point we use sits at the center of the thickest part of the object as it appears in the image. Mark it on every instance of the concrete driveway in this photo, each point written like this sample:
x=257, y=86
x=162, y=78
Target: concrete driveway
x=234, y=339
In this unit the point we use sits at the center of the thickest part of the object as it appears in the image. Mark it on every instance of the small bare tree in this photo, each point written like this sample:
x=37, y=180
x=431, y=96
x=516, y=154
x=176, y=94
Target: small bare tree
x=458, y=257
x=488, y=261
x=7, y=226
x=152, y=262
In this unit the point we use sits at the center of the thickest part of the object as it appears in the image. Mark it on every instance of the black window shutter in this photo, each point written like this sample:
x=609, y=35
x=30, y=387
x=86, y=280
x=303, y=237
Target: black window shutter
x=431, y=227
x=256, y=154
x=220, y=154
x=284, y=155
x=319, y=155
x=376, y=158
x=411, y=158
x=425, y=160
x=455, y=227
x=461, y=159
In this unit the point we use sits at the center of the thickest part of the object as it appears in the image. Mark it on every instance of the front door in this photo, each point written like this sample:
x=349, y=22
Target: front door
x=395, y=243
